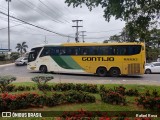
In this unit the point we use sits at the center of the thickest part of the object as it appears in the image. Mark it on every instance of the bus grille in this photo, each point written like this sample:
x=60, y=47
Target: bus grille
x=134, y=68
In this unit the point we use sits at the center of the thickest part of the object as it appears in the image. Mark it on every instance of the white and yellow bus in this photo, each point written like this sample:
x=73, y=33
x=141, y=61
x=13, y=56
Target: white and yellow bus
x=98, y=58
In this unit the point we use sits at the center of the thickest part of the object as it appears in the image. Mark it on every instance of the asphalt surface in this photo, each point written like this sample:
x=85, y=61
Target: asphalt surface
x=24, y=75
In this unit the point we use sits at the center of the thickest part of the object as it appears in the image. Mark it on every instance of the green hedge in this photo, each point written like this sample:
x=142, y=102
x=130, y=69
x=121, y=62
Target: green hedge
x=25, y=100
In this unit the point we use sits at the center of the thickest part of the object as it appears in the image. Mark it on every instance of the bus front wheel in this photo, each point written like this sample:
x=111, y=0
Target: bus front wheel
x=102, y=71
x=43, y=69
x=114, y=72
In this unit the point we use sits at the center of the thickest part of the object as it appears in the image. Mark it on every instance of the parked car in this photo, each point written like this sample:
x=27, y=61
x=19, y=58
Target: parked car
x=21, y=61
x=153, y=67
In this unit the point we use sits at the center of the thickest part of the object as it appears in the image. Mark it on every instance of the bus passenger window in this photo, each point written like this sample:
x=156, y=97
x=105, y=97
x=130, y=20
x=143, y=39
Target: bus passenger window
x=110, y=50
x=84, y=51
x=93, y=50
x=62, y=51
x=121, y=50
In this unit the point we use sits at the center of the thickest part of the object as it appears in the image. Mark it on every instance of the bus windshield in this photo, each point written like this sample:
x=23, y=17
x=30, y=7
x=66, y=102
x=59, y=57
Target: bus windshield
x=33, y=54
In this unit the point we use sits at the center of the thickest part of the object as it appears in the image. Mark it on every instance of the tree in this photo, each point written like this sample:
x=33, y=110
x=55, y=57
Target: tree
x=21, y=47
x=138, y=14
x=115, y=38
x=156, y=37
x=14, y=55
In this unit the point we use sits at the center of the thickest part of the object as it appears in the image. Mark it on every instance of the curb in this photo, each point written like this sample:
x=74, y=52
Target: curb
x=6, y=65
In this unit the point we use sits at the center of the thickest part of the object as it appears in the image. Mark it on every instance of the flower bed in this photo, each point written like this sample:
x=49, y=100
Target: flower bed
x=58, y=87
x=25, y=100
x=149, y=102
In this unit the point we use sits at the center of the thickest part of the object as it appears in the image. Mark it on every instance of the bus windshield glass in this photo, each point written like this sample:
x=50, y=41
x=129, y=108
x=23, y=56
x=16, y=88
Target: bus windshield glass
x=33, y=54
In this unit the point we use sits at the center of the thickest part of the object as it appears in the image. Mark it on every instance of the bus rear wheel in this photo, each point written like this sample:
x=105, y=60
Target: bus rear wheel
x=102, y=71
x=43, y=69
x=114, y=72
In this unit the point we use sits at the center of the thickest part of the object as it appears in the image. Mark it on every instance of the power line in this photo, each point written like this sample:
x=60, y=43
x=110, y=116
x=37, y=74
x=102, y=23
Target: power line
x=11, y=26
x=50, y=9
x=105, y=31
x=51, y=18
x=58, y=10
x=36, y=26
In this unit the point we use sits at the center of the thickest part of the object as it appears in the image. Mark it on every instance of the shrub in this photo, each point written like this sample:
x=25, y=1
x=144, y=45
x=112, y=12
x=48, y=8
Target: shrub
x=25, y=100
x=113, y=97
x=73, y=96
x=147, y=93
x=35, y=100
x=4, y=81
x=2, y=57
x=20, y=88
x=77, y=115
x=120, y=90
x=10, y=88
x=15, y=55
x=55, y=99
x=90, y=88
x=132, y=92
x=70, y=86
x=79, y=87
x=64, y=86
x=155, y=93
x=44, y=87
x=41, y=81
x=9, y=101
x=149, y=102
x=27, y=88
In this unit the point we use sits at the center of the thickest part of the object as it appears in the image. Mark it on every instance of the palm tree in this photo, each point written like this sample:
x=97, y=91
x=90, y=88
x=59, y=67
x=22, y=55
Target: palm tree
x=21, y=47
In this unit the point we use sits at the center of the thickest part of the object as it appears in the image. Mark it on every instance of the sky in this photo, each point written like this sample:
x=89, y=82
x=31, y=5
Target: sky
x=56, y=16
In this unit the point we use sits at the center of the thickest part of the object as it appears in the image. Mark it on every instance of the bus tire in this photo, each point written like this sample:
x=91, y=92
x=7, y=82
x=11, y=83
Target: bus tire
x=114, y=72
x=43, y=69
x=102, y=71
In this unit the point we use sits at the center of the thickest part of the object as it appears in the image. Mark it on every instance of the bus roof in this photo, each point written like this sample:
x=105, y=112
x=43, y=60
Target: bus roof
x=90, y=44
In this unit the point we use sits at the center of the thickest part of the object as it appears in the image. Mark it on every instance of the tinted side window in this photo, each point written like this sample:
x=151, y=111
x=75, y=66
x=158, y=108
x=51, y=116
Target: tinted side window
x=105, y=50
x=120, y=50
x=25, y=58
x=45, y=52
x=134, y=49
x=156, y=64
x=93, y=50
x=72, y=50
x=57, y=51
x=84, y=50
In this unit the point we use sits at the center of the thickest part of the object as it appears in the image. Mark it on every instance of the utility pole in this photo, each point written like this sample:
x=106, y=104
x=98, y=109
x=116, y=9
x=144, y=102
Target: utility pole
x=68, y=39
x=8, y=27
x=76, y=38
x=83, y=35
x=45, y=41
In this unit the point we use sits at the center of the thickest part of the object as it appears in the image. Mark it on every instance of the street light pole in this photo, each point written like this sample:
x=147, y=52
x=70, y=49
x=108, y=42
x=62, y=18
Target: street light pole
x=8, y=27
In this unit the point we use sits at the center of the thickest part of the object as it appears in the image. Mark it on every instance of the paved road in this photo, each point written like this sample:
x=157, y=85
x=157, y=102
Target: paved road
x=24, y=75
